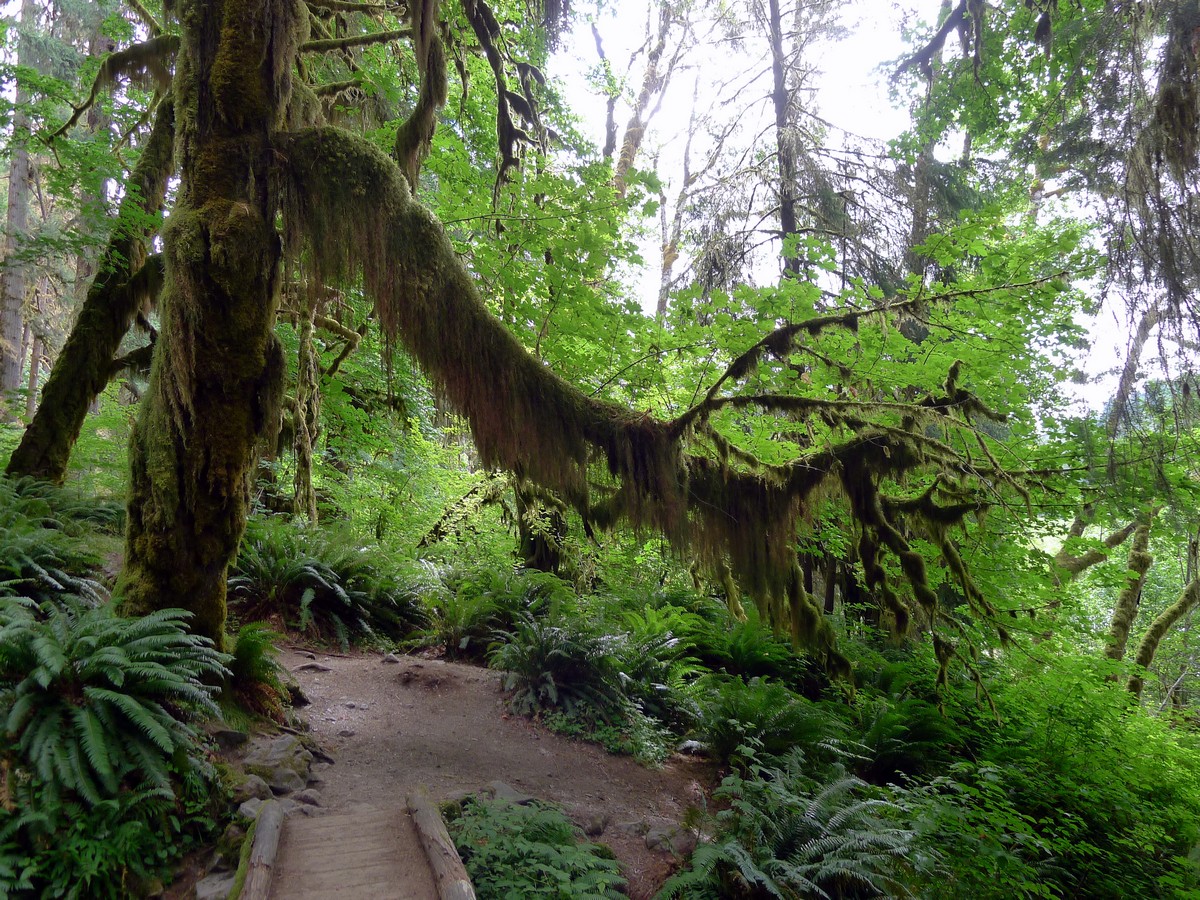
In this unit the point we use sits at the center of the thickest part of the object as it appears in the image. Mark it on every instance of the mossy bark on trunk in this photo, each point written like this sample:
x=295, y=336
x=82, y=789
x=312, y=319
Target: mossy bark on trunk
x=306, y=414
x=541, y=530
x=1130, y=597
x=1188, y=600
x=83, y=367
x=218, y=370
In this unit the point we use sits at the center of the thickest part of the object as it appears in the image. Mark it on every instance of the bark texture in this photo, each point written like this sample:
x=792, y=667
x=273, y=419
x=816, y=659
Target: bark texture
x=1188, y=600
x=13, y=276
x=216, y=381
x=1130, y=597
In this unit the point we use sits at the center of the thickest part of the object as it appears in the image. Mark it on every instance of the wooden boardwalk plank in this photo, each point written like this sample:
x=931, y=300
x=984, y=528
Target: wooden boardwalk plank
x=363, y=854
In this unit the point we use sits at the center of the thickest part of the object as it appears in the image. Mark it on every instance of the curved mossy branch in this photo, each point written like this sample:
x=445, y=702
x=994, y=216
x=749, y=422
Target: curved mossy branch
x=148, y=62
x=334, y=88
x=1075, y=565
x=782, y=341
x=324, y=45
x=113, y=301
x=1188, y=600
x=151, y=23
x=835, y=410
x=135, y=362
x=415, y=135
x=349, y=216
x=456, y=516
x=350, y=341
x=1130, y=597
x=370, y=9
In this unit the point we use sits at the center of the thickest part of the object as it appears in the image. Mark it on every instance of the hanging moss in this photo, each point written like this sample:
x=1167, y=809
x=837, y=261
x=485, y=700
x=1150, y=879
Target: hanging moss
x=1177, y=106
x=349, y=216
x=415, y=135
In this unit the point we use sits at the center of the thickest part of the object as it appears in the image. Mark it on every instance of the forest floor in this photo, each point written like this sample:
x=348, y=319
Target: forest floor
x=394, y=726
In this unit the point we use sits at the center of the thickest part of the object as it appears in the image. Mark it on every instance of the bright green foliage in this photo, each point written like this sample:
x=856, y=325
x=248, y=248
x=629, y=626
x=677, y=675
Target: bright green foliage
x=255, y=681
x=765, y=716
x=559, y=664
x=95, y=703
x=786, y=834
x=530, y=851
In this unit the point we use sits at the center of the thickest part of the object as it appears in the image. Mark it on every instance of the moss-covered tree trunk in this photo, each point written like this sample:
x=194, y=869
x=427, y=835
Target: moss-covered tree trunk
x=1130, y=597
x=83, y=367
x=306, y=414
x=217, y=371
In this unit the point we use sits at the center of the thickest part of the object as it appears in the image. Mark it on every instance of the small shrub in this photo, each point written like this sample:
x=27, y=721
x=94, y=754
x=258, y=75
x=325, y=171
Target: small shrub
x=654, y=667
x=115, y=848
x=634, y=734
x=786, y=835
x=766, y=715
x=105, y=781
x=254, y=671
x=530, y=851
x=330, y=588
x=903, y=738
x=480, y=603
x=95, y=702
x=748, y=649
x=558, y=665
x=42, y=555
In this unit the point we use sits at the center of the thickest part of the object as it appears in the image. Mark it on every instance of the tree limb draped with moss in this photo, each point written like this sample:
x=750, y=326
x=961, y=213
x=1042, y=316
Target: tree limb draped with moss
x=348, y=216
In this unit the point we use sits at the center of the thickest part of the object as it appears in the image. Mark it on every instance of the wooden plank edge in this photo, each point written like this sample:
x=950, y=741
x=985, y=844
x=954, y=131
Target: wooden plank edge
x=453, y=883
x=256, y=884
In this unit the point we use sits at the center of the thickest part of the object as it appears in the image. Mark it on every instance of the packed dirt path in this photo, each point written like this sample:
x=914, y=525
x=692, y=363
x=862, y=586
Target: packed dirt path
x=397, y=725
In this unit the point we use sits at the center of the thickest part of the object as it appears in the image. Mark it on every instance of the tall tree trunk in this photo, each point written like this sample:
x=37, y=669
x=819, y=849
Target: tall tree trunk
x=1130, y=597
x=305, y=414
x=83, y=368
x=13, y=278
x=218, y=369
x=781, y=99
x=35, y=371
x=652, y=82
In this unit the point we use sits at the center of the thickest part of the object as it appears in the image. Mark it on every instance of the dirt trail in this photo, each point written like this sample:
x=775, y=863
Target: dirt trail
x=393, y=727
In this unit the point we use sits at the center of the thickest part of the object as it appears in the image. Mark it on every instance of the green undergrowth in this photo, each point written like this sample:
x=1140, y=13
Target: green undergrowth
x=530, y=850
x=106, y=779
x=327, y=585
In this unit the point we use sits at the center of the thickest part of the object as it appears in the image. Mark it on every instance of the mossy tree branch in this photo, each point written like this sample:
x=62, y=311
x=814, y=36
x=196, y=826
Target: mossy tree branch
x=148, y=62
x=1076, y=565
x=324, y=45
x=1130, y=597
x=415, y=135
x=349, y=215
x=1188, y=600
x=114, y=299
